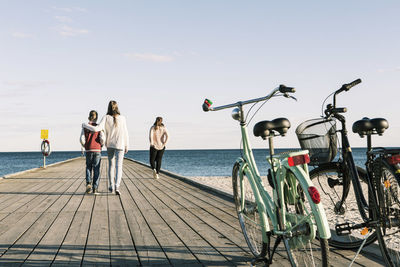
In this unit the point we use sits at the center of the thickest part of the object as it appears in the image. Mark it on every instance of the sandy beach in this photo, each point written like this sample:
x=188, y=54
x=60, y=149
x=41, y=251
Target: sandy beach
x=224, y=183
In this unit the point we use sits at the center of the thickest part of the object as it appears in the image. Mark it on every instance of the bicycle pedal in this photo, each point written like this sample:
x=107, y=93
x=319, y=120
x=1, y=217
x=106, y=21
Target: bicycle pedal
x=343, y=229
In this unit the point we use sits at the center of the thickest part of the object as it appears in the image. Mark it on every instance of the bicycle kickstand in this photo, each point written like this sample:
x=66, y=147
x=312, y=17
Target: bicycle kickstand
x=359, y=250
x=255, y=262
x=266, y=261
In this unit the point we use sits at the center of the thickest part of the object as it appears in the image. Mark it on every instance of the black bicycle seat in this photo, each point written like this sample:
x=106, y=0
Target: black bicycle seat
x=368, y=126
x=264, y=128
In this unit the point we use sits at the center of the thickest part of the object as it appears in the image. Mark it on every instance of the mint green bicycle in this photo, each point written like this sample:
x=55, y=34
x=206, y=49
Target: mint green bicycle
x=294, y=213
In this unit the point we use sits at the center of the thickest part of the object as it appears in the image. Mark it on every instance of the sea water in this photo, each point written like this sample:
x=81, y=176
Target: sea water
x=214, y=162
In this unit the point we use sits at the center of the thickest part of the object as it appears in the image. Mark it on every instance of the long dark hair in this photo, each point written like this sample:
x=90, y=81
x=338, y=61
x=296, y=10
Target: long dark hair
x=113, y=110
x=158, y=123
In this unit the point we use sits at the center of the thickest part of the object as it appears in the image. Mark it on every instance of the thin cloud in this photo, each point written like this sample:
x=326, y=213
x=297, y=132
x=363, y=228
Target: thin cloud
x=63, y=19
x=67, y=31
x=389, y=70
x=176, y=53
x=27, y=84
x=69, y=9
x=149, y=57
x=22, y=88
x=22, y=35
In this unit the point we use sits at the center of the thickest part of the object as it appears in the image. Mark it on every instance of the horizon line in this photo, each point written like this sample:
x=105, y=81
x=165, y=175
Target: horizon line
x=79, y=151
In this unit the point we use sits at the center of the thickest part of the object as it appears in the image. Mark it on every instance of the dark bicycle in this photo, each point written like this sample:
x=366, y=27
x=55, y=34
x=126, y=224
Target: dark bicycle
x=372, y=209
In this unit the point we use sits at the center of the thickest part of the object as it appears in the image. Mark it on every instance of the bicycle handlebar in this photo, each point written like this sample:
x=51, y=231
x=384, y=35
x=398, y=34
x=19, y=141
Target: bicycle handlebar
x=284, y=89
x=281, y=88
x=338, y=110
x=347, y=86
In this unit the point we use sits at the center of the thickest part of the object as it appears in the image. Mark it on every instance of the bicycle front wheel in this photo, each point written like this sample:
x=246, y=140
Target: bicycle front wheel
x=388, y=214
x=328, y=179
x=303, y=245
x=248, y=215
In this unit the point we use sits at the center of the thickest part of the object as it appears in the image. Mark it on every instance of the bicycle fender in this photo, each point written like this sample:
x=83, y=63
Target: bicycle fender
x=244, y=168
x=317, y=209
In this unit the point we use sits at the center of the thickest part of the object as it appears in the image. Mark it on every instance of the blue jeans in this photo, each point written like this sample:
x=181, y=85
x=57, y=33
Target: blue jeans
x=93, y=160
x=115, y=158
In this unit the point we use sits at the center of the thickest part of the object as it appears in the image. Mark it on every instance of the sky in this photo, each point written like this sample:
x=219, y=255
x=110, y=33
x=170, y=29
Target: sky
x=61, y=59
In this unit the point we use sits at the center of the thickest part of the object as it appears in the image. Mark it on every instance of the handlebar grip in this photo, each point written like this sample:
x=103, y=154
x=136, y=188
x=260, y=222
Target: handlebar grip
x=285, y=89
x=206, y=105
x=338, y=110
x=347, y=87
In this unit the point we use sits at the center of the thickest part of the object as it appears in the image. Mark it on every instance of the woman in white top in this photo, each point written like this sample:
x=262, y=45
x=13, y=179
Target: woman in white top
x=117, y=142
x=158, y=139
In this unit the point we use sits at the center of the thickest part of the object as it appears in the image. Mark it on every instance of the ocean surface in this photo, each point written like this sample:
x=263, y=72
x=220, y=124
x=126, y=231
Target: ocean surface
x=184, y=162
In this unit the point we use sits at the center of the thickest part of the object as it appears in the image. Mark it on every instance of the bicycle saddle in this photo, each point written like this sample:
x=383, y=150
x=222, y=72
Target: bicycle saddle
x=368, y=126
x=264, y=128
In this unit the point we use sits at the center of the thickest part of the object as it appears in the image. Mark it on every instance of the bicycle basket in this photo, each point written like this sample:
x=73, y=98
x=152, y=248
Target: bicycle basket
x=319, y=137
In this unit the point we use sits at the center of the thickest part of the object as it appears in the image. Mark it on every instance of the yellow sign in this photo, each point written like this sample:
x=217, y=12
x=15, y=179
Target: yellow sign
x=44, y=134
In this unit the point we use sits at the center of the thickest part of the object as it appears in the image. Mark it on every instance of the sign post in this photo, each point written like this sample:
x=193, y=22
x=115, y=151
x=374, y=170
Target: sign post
x=45, y=147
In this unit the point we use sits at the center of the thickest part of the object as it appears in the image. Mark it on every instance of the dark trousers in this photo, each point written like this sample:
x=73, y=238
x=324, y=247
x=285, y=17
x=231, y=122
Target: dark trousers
x=155, y=158
x=93, y=160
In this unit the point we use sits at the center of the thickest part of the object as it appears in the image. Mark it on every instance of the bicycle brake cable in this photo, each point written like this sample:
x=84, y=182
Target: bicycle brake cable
x=248, y=112
x=265, y=101
x=323, y=103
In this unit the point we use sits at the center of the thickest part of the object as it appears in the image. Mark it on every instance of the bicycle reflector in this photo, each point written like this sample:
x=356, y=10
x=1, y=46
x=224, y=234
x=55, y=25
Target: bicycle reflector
x=316, y=198
x=393, y=160
x=297, y=160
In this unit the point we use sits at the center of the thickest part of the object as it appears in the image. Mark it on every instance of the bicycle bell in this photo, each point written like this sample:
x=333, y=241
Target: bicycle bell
x=236, y=114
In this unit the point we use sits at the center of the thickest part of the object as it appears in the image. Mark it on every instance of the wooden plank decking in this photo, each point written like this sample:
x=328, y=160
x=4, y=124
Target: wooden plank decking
x=46, y=219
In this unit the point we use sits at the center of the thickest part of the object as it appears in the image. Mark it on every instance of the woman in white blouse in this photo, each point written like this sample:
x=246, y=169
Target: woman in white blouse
x=158, y=139
x=117, y=143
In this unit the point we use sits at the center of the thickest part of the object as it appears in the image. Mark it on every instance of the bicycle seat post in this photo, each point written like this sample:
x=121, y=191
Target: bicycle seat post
x=271, y=144
x=369, y=143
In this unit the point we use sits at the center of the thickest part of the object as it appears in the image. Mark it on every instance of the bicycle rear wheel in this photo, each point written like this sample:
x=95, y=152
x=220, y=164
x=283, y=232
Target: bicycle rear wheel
x=387, y=186
x=248, y=215
x=302, y=245
x=328, y=179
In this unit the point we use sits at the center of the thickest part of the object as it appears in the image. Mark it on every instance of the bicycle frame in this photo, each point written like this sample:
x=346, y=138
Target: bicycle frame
x=349, y=168
x=293, y=213
x=352, y=175
x=273, y=206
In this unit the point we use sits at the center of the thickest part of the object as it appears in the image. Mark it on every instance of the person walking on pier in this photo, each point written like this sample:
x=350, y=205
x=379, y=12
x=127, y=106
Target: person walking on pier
x=117, y=143
x=158, y=139
x=92, y=142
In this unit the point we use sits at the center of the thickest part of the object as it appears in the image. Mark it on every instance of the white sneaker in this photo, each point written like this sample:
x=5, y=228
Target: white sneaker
x=88, y=188
x=155, y=174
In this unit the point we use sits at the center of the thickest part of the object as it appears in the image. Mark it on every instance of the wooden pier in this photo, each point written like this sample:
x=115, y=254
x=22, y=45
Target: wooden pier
x=46, y=219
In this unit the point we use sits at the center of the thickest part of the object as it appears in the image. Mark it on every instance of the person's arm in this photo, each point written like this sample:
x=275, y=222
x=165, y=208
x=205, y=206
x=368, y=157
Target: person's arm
x=126, y=135
x=151, y=133
x=97, y=128
x=166, y=136
x=102, y=138
x=82, y=138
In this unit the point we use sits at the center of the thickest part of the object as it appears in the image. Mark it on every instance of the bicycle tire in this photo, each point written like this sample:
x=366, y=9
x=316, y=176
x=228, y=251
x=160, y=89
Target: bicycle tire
x=248, y=216
x=386, y=183
x=303, y=246
x=330, y=197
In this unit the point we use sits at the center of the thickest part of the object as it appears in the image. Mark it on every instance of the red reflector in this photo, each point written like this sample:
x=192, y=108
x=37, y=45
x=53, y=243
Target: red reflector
x=394, y=159
x=316, y=198
x=297, y=160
